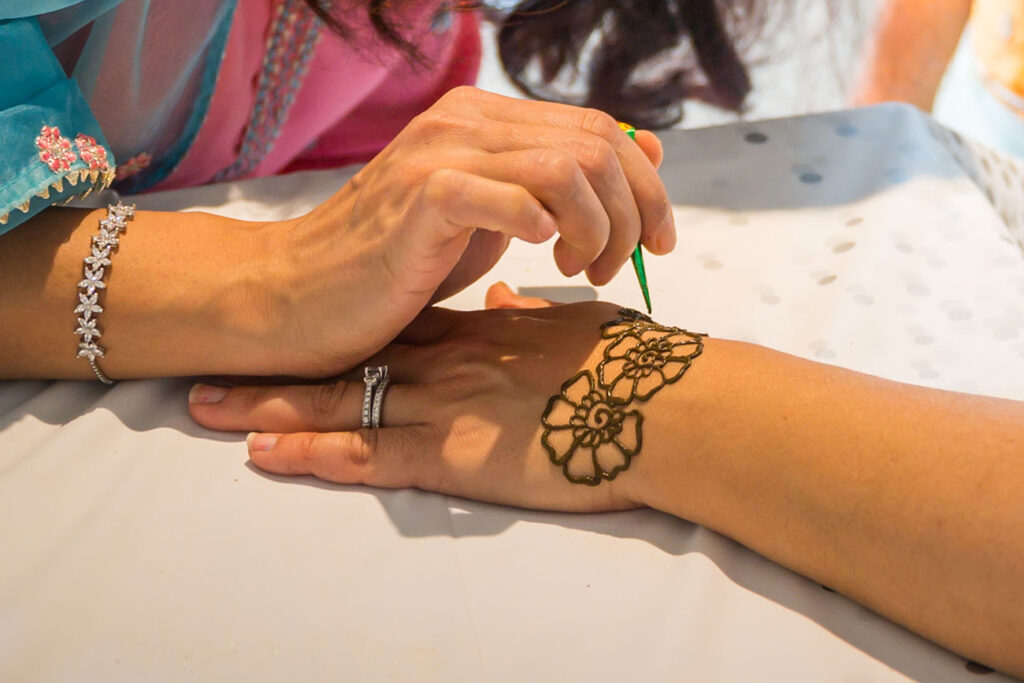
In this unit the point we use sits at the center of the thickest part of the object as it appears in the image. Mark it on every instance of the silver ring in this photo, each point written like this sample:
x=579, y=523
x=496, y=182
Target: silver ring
x=376, y=382
x=378, y=399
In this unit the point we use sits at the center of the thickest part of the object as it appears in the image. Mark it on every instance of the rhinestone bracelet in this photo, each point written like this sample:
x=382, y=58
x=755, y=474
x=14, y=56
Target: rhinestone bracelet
x=88, y=309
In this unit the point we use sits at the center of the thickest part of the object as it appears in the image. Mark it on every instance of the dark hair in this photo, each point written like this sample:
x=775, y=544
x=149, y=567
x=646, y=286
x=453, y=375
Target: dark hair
x=378, y=11
x=635, y=59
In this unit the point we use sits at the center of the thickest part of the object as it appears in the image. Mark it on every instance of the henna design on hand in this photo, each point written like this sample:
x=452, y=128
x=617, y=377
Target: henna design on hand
x=588, y=430
x=591, y=437
x=642, y=360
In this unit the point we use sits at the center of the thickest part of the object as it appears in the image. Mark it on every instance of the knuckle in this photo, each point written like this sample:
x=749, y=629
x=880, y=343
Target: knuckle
x=453, y=353
x=460, y=94
x=491, y=379
x=359, y=447
x=599, y=123
x=527, y=208
x=599, y=156
x=455, y=357
x=560, y=169
x=441, y=187
x=361, y=178
x=326, y=401
x=472, y=358
x=475, y=383
x=305, y=446
x=253, y=396
x=410, y=172
x=435, y=122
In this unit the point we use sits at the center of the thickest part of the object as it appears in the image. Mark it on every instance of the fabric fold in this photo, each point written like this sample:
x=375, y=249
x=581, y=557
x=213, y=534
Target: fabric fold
x=51, y=147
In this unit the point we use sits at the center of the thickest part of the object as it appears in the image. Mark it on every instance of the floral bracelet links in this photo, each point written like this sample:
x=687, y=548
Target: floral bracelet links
x=93, y=269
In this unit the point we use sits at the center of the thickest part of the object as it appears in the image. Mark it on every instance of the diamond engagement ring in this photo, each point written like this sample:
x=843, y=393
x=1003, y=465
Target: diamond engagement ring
x=376, y=380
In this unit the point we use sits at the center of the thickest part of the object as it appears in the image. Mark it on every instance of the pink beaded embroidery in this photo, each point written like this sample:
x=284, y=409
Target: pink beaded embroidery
x=55, y=150
x=293, y=36
x=136, y=164
x=92, y=153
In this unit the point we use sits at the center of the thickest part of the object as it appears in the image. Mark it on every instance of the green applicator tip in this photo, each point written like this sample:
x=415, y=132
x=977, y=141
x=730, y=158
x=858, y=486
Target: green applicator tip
x=641, y=275
x=638, y=254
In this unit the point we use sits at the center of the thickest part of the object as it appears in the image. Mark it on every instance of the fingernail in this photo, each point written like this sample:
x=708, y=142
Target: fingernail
x=206, y=393
x=260, y=442
x=548, y=226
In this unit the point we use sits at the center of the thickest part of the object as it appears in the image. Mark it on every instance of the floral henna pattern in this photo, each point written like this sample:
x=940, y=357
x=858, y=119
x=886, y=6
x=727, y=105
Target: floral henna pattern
x=588, y=435
x=588, y=429
x=643, y=360
x=629, y=319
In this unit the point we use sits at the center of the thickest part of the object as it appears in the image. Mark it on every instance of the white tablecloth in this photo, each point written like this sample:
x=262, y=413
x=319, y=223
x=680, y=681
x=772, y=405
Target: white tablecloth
x=138, y=546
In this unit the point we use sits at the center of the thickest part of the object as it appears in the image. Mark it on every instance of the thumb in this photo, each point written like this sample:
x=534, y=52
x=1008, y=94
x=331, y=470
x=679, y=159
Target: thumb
x=500, y=295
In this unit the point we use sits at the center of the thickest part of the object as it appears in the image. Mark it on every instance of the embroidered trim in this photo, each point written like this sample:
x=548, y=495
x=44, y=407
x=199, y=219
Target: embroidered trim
x=55, y=149
x=92, y=153
x=136, y=164
x=57, y=152
x=294, y=33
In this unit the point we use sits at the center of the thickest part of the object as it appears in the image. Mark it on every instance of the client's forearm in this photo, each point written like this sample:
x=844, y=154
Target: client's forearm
x=182, y=296
x=906, y=499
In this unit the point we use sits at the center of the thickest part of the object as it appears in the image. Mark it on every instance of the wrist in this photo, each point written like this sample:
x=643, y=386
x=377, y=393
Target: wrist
x=187, y=296
x=680, y=475
x=326, y=300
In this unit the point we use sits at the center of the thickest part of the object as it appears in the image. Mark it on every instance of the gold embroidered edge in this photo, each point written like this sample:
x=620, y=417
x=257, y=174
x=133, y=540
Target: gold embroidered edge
x=97, y=179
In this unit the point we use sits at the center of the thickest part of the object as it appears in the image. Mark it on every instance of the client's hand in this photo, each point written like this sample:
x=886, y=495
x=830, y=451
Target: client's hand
x=436, y=209
x=860, y=483
x=463, y=414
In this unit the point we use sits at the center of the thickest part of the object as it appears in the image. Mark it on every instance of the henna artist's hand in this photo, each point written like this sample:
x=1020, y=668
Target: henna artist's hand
x=505, y=406
x=436, y=209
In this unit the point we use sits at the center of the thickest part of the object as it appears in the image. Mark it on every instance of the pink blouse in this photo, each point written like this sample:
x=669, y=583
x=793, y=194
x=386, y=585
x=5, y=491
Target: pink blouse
x=290, y=94
x=158, y=94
